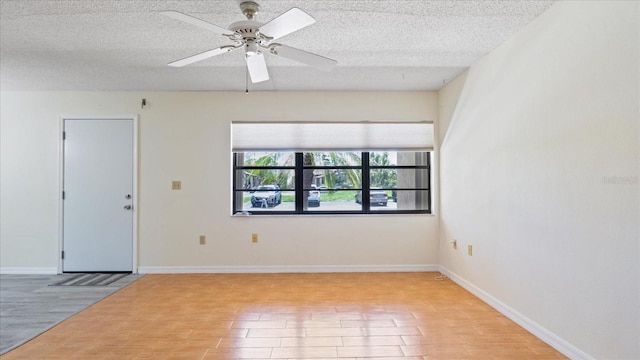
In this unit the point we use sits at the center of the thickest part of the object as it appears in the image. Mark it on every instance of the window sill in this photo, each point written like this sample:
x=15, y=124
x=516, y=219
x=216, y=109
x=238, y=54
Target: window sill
x=240, y=215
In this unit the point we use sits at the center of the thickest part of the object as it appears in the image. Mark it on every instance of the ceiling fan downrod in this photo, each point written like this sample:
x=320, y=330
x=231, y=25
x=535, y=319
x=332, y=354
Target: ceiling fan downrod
x=249, y=9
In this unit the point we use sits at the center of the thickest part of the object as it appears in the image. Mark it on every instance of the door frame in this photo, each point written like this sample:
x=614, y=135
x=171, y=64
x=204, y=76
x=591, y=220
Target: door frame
x=134, y=235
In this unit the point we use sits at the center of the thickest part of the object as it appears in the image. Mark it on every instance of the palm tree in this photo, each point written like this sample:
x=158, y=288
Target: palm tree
x=255, y=177
x=383, y=178
x=334, y=177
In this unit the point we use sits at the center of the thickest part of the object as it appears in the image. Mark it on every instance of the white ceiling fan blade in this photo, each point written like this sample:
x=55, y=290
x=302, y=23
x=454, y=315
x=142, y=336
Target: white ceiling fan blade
x=304, y=57
x=257, y=67
x=201, y=56
x=197, y=22
x=292, y=20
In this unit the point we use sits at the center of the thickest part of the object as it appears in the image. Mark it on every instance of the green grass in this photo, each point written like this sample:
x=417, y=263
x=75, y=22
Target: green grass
x=348, y=195
x=338, y=196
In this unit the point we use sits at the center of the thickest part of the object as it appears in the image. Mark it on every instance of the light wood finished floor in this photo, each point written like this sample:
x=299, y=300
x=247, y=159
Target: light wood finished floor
x=288, y=316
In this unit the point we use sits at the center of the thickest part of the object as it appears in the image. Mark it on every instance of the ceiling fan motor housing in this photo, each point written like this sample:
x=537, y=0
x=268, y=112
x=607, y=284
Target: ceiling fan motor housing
x=246, y=32
x=251, y=47
x=246, y=29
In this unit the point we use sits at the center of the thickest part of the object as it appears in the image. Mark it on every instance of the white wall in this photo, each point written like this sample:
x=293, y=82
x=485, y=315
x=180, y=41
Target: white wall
x=539, y=172
x=185, y=136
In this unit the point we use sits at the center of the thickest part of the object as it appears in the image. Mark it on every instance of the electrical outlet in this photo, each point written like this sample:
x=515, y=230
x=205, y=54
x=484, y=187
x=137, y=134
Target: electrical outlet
x=254, y=238
x=176, y=185
x=470, y=250
x=203, y=239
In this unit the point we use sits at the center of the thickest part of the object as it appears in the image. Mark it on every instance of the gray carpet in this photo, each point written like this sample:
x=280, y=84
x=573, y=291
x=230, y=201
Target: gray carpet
x=29, y=306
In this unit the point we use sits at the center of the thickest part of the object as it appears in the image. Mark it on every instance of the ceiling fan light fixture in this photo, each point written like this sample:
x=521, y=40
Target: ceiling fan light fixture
x=251, y=47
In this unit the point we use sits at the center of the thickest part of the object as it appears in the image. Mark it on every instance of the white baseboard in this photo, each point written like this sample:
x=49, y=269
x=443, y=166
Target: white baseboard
x=536, y=329
x=28, y=270
x=285, y=269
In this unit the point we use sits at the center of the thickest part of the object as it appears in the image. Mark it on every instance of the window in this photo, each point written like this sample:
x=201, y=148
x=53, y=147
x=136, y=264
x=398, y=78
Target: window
x=331, y=182
x=334, y=168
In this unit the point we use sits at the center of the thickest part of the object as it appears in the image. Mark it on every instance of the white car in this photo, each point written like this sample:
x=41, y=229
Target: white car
x=376, y=197
x=266, y=196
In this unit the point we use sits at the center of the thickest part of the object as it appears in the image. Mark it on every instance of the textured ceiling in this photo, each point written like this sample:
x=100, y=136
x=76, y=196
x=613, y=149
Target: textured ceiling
x=126, y=45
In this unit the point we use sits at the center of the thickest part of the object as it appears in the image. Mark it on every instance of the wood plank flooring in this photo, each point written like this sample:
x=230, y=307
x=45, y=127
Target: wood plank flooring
x=288, y=316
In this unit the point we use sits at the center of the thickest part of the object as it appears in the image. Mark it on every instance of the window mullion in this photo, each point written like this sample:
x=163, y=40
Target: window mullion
x=366, y=200
x=299, y=183
x=428, y=161
x=234, y=179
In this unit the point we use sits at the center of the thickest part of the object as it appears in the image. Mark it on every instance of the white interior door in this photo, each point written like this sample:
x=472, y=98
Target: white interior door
x=98, y=195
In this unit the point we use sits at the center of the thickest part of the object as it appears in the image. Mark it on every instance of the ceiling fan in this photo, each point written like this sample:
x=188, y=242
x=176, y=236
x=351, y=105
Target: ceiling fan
x=257, y=38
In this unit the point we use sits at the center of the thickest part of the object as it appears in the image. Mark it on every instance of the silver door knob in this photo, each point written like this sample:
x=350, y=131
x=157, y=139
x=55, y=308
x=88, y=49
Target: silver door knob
x=127, y=207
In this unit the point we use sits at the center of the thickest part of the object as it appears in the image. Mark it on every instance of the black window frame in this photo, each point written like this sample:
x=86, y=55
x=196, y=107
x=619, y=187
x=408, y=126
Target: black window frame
x=300, y=191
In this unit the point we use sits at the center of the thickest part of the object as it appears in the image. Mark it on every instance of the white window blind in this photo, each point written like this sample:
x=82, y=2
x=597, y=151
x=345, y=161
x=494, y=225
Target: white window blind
x=334, y=136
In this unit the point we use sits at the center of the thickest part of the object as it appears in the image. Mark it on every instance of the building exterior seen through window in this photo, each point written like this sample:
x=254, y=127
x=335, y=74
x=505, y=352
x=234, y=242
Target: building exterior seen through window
x=331, y=182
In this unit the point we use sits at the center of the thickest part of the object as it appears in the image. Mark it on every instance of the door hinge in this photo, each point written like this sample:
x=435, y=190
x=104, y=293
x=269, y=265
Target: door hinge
x=63, y=195
x=62, y=254
x=64, y=135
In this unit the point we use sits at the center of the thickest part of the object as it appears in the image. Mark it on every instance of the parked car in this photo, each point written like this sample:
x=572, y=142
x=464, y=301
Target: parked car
x=266, y=196
x=313, y=200
x=314, y=197
x=376, y=197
